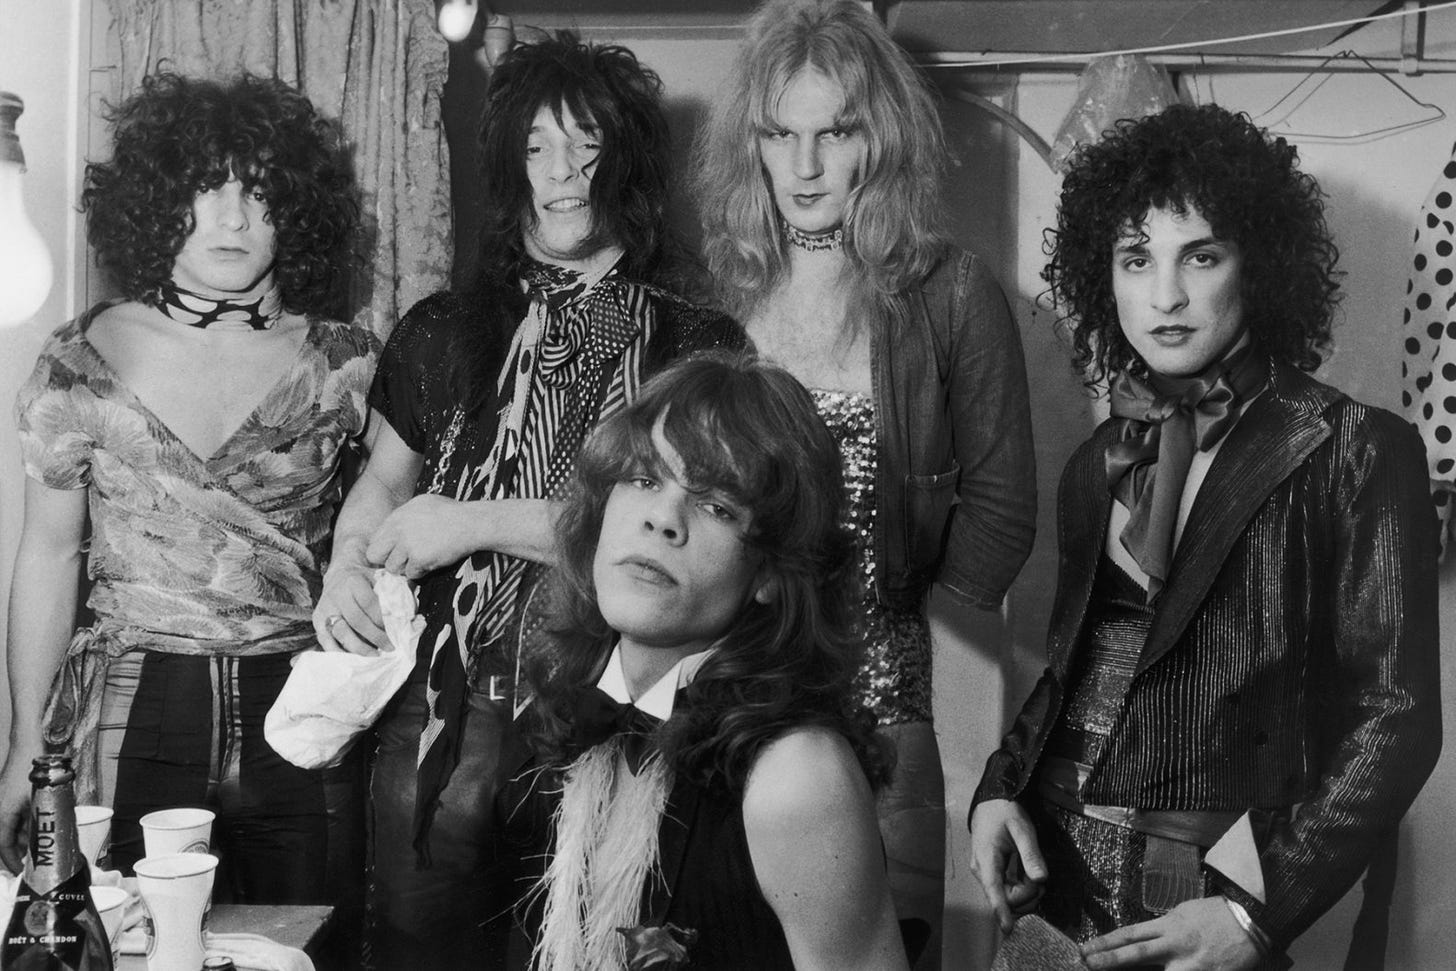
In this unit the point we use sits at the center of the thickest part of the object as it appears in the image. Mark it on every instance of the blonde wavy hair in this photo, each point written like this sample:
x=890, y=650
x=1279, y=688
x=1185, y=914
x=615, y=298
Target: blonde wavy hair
x=892, y=233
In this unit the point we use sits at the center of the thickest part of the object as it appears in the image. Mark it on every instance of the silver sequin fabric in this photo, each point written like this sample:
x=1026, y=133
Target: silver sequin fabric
x=894, y=682
x=1100, y=866
x=1118, y=623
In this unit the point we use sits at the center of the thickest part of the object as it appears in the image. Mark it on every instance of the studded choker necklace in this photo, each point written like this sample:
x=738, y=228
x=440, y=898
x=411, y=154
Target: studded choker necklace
x=195, y=310
x=814, y=242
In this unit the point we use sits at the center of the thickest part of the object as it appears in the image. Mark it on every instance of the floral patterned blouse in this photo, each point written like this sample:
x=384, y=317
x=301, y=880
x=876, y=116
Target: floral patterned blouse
x=222, y=554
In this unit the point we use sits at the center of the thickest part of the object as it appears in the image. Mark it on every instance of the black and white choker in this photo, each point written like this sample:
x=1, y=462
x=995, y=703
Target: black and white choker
x=195, y=310
x=814, y=242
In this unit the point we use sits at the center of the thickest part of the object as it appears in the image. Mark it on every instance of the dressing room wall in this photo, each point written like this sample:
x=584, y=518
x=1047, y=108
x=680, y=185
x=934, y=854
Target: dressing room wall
x=41, y=60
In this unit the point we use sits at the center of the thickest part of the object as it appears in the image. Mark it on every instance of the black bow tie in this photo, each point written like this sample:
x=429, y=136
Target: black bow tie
x=596, y=717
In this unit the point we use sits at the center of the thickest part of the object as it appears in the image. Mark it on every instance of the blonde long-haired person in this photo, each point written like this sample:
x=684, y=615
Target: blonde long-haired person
x=819, y=177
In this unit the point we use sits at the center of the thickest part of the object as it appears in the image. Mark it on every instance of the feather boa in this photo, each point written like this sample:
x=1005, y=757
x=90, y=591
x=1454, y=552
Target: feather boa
x=606, y=849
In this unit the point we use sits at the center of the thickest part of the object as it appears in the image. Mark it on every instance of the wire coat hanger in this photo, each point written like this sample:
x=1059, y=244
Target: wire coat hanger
x=1306, y=88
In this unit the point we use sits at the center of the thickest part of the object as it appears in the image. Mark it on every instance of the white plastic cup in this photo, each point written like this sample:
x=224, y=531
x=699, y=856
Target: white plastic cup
x=184, y=830
x=111, y=905
x=176, y=890
x=93, y=828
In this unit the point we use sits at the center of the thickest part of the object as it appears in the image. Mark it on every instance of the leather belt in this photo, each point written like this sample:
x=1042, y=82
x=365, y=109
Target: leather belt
x=1059, y=780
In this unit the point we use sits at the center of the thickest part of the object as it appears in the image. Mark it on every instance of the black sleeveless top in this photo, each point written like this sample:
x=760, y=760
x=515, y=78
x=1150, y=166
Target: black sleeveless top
x=710, y=885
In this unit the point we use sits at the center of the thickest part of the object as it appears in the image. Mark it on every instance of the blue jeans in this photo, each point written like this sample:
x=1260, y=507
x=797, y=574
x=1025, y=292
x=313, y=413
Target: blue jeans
x=455, y=912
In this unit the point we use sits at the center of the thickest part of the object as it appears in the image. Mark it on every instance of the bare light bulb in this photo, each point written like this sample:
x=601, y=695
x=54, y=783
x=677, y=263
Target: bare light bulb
x=25, y=261
x=456, y=18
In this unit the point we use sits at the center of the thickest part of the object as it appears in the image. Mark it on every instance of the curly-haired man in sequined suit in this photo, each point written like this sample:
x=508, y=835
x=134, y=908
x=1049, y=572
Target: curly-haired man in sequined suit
x=1241, y=697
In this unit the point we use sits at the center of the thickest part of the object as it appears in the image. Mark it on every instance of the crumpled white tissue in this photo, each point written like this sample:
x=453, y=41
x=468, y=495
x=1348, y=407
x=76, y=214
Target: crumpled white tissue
x=331, y=697
x=250, y=952
x=254, y=952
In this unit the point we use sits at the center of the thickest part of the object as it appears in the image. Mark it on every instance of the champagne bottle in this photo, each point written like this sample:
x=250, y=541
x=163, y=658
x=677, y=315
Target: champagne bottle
x=54, y=926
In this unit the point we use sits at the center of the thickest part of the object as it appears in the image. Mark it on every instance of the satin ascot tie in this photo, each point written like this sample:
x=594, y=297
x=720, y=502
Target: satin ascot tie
x=1164, y=421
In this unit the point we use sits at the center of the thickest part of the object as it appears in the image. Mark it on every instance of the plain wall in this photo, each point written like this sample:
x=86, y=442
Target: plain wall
x=41, y=60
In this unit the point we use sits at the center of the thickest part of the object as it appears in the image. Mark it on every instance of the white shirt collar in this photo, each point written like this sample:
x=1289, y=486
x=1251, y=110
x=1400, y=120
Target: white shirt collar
x=657, y=700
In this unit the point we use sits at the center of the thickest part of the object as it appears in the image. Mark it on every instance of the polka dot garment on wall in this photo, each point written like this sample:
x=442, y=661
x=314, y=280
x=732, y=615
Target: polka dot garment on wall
x=1428, y=369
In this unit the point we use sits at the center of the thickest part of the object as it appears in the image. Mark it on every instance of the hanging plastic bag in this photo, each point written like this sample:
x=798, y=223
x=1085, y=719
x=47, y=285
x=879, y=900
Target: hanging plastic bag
x=1110, y=89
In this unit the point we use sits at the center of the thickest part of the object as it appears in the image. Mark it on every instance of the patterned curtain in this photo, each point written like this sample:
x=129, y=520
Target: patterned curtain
x=378, y=66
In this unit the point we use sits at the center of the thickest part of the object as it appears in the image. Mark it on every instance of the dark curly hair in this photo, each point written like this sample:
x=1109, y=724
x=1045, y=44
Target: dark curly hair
x=1248, y=187
x=180, y=135
x=750, y=429
x=623, y=99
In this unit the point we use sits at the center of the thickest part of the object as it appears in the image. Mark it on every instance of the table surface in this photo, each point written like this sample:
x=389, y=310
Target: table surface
x=300, y=926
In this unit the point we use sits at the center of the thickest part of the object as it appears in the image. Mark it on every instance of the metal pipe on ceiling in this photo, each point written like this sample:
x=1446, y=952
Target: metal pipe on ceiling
x=1312, y=63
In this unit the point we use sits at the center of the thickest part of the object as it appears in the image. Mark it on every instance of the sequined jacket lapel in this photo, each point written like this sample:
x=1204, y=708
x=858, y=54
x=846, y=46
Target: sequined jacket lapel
x=1273, y=438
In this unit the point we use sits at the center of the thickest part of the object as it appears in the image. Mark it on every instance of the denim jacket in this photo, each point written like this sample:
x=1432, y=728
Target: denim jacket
x=956, y=486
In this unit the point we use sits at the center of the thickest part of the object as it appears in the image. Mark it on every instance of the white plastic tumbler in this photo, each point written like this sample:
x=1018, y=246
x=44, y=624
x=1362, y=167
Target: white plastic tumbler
x=93, y=827
x=176, y=889
x=184, y=830
x=111, y=905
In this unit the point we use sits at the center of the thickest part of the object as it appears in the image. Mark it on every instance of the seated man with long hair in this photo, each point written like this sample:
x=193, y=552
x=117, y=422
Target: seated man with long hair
x=707, y=772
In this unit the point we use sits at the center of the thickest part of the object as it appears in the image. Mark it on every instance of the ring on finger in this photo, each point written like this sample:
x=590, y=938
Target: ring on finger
x=332, y=620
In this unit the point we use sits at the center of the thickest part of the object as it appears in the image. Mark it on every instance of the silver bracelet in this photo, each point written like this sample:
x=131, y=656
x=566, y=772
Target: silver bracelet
x=1255, y=933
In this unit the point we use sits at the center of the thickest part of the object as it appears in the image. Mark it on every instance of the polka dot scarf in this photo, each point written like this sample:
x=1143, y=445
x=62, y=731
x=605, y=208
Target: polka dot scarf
x=1428, y=369
x=253, y=312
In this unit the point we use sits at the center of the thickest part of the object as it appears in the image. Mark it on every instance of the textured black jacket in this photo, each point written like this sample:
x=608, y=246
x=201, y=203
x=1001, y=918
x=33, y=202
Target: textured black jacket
x=1293, y=654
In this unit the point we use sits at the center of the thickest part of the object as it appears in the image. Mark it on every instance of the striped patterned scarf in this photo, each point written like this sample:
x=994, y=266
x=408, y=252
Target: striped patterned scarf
x=575, y=359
